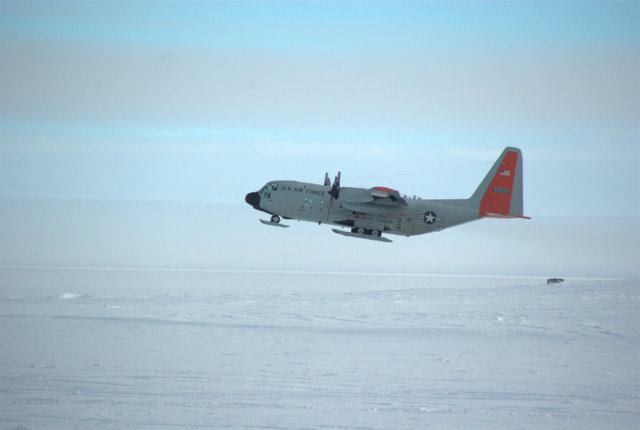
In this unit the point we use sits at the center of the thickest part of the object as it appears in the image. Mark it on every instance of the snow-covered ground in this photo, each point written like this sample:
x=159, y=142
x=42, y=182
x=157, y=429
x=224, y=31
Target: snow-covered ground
x=109, y=349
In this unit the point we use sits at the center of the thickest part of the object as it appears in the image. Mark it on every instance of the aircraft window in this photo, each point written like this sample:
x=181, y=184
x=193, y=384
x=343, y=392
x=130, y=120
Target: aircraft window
x=273, y=186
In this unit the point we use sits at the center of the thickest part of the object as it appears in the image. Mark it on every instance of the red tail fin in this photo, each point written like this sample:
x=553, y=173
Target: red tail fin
x=500, y=193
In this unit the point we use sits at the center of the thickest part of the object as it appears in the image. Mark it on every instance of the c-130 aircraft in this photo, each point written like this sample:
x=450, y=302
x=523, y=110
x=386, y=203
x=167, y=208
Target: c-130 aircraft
x=370, y=212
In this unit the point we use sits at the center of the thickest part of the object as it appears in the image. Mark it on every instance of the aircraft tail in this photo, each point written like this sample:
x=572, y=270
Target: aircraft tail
x=499, y=195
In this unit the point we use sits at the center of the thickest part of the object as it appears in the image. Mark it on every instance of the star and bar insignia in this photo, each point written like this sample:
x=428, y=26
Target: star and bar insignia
x=430, y=217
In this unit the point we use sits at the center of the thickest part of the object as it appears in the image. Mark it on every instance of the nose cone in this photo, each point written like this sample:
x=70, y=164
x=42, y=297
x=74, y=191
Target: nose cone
x=253, y=199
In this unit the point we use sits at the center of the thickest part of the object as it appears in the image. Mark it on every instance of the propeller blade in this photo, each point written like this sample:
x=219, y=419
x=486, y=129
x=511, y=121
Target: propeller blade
x=335, y=189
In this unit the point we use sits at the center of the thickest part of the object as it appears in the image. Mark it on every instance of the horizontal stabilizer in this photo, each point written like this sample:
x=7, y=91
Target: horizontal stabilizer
x=492, y=215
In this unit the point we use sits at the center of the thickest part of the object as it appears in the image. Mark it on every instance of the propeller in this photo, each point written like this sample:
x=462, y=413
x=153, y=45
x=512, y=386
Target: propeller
x=335, y=189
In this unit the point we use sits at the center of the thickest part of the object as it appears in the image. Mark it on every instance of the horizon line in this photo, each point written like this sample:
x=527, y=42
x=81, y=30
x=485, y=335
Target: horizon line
x=294, y=272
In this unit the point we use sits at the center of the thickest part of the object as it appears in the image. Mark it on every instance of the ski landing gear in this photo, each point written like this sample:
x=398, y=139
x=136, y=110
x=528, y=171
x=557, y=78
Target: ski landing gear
x=275, y=221
x=362, y=233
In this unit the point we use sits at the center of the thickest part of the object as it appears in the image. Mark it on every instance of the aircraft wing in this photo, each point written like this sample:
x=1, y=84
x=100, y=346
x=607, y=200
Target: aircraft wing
x=386, y=196
x=376, y=200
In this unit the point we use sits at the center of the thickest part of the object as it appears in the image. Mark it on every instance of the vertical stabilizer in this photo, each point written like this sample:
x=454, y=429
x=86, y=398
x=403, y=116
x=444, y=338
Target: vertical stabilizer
x=500, y=192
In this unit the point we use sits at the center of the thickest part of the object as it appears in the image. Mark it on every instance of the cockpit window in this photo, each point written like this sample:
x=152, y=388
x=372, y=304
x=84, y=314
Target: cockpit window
x=273, y=186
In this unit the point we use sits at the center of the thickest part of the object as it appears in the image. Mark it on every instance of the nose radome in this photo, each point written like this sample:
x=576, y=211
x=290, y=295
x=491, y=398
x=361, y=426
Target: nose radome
x=253, y=199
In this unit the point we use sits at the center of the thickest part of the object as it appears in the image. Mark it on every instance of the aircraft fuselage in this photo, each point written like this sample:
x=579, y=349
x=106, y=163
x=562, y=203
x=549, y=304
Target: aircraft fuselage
x=369, y=212
x=312, y=202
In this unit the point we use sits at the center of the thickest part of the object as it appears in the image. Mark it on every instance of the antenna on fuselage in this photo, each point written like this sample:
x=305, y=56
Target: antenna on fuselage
x=327, y=181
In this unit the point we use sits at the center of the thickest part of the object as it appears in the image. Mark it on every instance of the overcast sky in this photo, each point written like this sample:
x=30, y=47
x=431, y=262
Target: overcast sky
x=204, y=102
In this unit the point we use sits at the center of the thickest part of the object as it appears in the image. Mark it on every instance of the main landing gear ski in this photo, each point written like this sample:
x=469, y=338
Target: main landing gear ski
x=361, y=233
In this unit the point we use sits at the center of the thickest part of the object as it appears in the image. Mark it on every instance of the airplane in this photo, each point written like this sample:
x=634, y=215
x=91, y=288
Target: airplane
x=370, y=212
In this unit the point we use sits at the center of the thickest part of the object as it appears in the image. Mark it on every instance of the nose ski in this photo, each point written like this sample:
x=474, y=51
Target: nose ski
x=275, y=221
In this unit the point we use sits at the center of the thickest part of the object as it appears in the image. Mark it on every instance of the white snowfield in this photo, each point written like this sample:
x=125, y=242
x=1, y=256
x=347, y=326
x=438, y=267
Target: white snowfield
x=125, y=349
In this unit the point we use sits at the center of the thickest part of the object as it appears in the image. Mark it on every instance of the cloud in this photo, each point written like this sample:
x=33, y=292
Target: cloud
x=589, y=93
x=185, y=96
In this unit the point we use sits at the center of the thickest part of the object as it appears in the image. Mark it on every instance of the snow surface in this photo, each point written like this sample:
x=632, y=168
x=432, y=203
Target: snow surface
x=118, y=349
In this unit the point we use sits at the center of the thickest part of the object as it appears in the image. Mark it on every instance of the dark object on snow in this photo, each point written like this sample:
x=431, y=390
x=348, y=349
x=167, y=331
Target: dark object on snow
x=555, y=281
